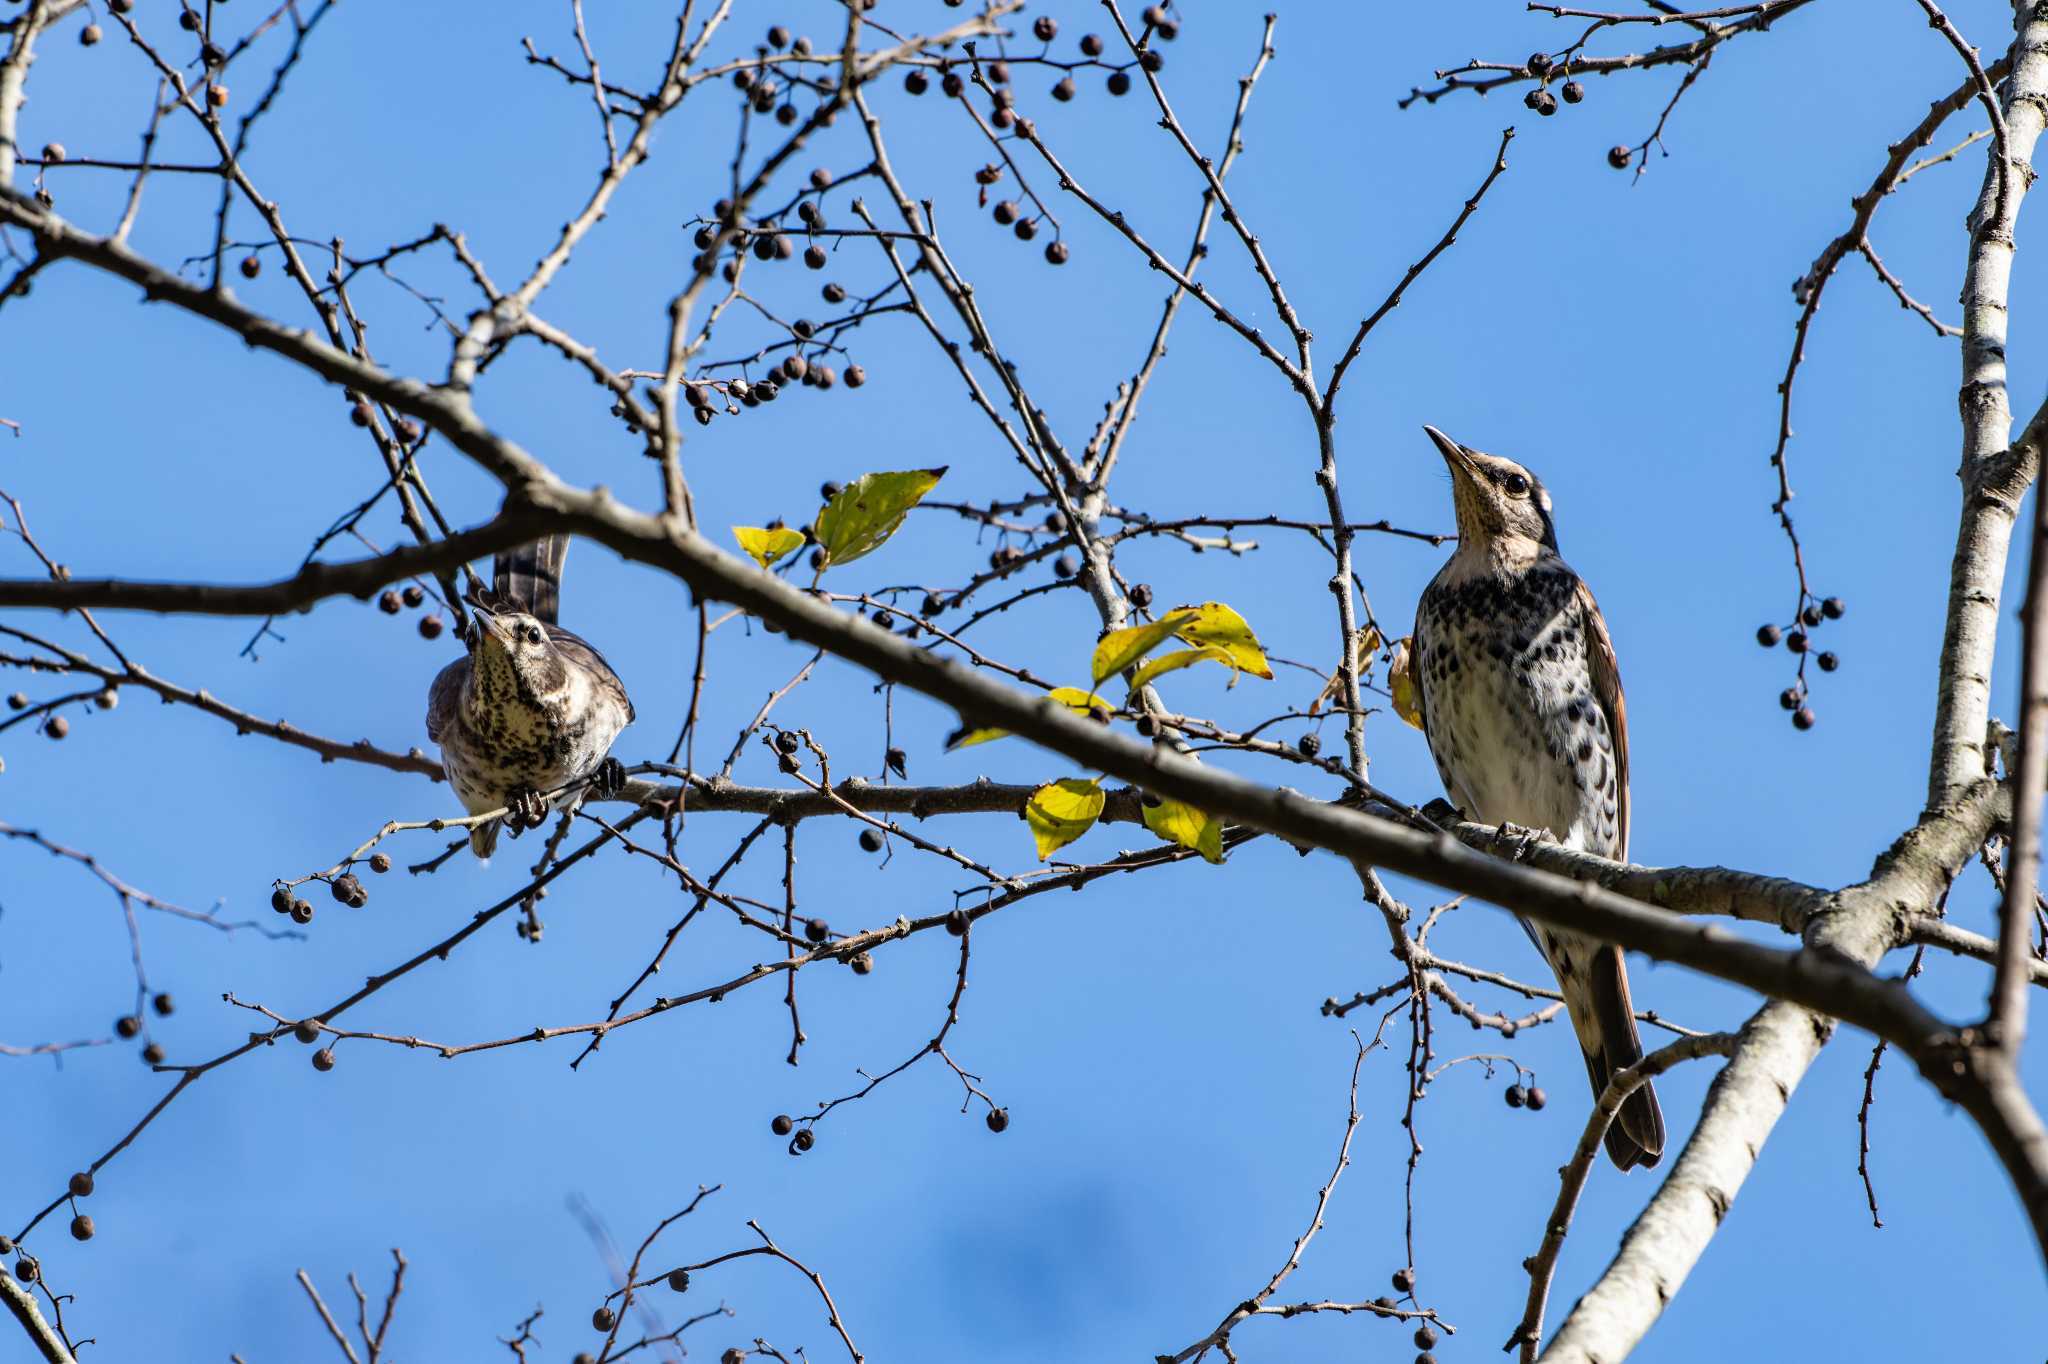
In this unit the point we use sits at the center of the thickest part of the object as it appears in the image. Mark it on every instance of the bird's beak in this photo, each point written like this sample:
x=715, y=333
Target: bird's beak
x=490, y=627
x=1454, y=454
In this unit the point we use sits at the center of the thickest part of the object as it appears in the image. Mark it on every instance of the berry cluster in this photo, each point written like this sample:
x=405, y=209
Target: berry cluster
x=1546, y=69
x=1796, y=637
x=413, y=596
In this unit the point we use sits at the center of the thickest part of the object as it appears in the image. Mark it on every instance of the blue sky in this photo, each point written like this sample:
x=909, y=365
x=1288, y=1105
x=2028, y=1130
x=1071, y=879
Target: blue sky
x=1176, y=1097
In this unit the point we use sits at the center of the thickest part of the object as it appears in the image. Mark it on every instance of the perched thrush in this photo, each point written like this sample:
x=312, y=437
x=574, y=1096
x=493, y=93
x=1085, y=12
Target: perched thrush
x=526, y=720
x=1521, y=699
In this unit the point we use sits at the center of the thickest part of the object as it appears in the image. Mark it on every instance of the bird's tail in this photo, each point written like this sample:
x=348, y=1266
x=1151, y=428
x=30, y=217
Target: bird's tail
x=1602, y=1010
x=529, y=578
x=483, y=839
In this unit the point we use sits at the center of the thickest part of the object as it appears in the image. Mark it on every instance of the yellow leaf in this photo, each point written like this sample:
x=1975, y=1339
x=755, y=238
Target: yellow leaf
x=1218, y=625
x=867, y=511
x=1180, y=823
x=1073, y=698
x=1180, y=658
x=1401, y=682
x=767, y=546
x=1061, y=812
x=1119, y=649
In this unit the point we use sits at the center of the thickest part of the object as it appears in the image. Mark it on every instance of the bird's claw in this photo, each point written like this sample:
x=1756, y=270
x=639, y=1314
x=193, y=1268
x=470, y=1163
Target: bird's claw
x=1522, y=837
x=527, y=809
x=609, y=780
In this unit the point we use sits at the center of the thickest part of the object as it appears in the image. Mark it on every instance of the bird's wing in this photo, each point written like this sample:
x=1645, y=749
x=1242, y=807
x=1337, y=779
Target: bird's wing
x=1607, y=692
x=578, y=650
x=529, y=578
x=444, y=696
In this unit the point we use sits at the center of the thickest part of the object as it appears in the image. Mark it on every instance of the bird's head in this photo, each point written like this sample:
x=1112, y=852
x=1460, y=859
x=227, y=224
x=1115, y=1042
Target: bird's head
x=1501, y=505
x=514, y=647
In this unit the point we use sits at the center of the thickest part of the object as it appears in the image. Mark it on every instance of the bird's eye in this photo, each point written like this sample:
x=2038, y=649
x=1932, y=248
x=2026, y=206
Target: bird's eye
x=1516, y=485
x=532, y=634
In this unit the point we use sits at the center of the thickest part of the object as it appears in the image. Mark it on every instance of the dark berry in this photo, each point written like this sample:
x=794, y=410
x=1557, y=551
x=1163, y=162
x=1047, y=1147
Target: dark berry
x=1119, y=82
x=26, y=1269
x=814, y=256
x=1832, y=608
x=1517, y=1096
x=870, y=841
x=1025, y=229
x=1091, y=45
x=1811, y=616
x=998, y=73
x=1789, y=698
x=787, y=742
x=164, y=1005
x=1064, y=91
x=897, y=761
x=1620, y=157
x=1828, y=662
x=1539, y=65
x=816, y=930
x=855, y=376
x=778, y=36
x=604, y=1319
x=1573, y=92
x=956, y=923
x=679, y=1280
x=128, y=1025
x=804, y=1141
x=1152, y=61
x=1141, y=595
x=307, y=1030
x=1768, y=635
x=56, y=727
x=862, y=963
x=1796, y=641
x=281, y=901
x=89, y=35
x=1045, y=28
x=998, y=1119
x=17, y=701
x=1803, y=718
x=430, y=627
x=1404, y=1281
x=781, y=1125
x=302, y=912
x=81, y=1228
x=388, y=603
x=153, y=1055
x=379, y=863
x=348, y=890
x=1056, y=253
x=323, y=1060
x=1537, y=1098
x=251, y=267
x=1066, y=566
x=1542, y=101
x=952, y=84
x=1425, y=1336
x=188, y=20
x=1005, y=212
x=81, y=1184
x=1309, y=745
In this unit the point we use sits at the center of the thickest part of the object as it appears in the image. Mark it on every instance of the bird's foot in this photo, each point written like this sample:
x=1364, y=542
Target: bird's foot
x=609, y=780
x=1522, y=837
x=527, y=809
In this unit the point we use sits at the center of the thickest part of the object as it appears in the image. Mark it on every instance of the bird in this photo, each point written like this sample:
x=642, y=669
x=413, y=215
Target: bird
x=1521, y=700
x=527, y=717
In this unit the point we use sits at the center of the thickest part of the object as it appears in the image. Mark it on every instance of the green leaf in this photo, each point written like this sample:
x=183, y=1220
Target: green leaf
x=1073, y=698
x=1180, y=658
x=867, y=511
x=1181, y=823
x=1216, y=624
x=1061, y=812
x=768, y=546
x=1119, y=649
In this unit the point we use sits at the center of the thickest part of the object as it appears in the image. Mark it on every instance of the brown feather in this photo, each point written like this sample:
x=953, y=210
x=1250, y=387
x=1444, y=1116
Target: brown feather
x=1607, y=693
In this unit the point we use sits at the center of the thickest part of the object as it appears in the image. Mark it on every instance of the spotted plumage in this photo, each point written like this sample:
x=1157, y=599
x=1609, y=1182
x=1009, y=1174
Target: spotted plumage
x=1521, y=700
x=531, y=709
